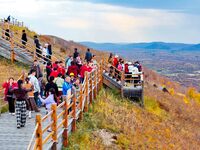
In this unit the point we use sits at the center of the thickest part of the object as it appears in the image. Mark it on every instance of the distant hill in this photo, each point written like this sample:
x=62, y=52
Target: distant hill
x=193, y=48
x=142, y=46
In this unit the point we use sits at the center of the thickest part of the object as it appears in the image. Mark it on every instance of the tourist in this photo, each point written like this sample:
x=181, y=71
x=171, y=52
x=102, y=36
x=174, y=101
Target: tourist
x=68, y=62
x=73, y=79
x=59, y=81
x=31, y=105
x=78, y=61
x=73, y=69
x=75, y=53
x=20, y=94
x=67, y=86
x=88, y=55
x=49, y=51
x=55, y=64
x=37, y=45
x=48, y=70
x=115, y=64
x=84, y=68
x=54, y=73
x=51, y=85
x=24, y=38
x=94, y=61
x=77, y=84
x=8, y=95
x=126, y=71
x=45, y=53
x=7, y=30
x=36, y=67
x=110, y=62
x=8, y=18
x=48, y=102
x=61, y=68
x=34, y=81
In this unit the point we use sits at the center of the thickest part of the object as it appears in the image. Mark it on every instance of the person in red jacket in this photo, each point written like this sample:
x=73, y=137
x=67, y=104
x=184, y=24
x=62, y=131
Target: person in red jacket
x=83, y=69
x=126, y=71
x=115, y=64
x=55, y=65
x=54, y=73
x=9, y=86
x=115, y=61
x=61, y=68
x=73, y=69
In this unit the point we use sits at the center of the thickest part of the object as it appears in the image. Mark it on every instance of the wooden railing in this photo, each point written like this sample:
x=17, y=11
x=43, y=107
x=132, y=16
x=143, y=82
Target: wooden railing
x=14, y=22
x=30, y=48
x=122, y=77
x=64, y=116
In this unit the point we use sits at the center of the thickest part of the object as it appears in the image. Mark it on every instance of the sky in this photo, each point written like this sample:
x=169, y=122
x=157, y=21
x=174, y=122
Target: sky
x=118, y=21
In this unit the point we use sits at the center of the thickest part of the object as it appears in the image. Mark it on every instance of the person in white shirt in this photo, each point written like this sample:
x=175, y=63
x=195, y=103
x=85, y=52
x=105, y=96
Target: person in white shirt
x=35, y=83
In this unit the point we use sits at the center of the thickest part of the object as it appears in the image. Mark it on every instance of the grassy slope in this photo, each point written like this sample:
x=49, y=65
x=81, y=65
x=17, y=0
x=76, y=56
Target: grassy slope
x=165, y=123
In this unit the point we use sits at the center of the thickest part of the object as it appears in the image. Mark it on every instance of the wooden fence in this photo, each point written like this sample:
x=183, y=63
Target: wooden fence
x=122, y=77
x=30, y=48
x=14, y=22
x=64, y=116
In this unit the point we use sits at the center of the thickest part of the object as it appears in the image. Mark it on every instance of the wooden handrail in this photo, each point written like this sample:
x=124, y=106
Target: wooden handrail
x=65, y=114
x=30, y=48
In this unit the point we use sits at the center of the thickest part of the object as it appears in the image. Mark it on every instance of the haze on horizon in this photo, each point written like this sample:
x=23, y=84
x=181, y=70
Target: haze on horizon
x=110, y=20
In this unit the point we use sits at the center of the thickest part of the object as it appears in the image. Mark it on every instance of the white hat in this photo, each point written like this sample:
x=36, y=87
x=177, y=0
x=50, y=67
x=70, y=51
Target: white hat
x=130, y=63
x=116, y=56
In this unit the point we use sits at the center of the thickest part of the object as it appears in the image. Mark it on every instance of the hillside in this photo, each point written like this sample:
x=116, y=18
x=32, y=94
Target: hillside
x=166, y=122
x=64, y=48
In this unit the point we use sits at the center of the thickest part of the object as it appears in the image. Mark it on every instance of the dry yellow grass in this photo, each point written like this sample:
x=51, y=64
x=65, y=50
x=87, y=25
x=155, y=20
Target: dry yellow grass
x=166, y=122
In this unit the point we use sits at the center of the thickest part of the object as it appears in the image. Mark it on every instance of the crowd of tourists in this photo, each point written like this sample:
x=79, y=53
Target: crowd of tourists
x=132, y=70
x=44, y=88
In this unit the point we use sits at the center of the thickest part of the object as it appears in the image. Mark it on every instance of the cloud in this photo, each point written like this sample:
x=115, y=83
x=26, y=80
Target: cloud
x=102, y=22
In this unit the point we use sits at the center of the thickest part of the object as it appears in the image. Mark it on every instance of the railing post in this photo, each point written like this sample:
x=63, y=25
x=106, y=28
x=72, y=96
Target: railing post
x=74, y=111
x=95, y=84
x=12, y=53
x=122, y=78
x=34, y=54
x=39, y=131
x=65, y=132
x=87, y=95
x=101, y=75
x=81, y=102
x=54, y=126
x=91, y=88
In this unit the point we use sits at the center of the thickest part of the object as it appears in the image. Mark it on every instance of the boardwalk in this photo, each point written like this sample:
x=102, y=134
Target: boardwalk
x=12, y=138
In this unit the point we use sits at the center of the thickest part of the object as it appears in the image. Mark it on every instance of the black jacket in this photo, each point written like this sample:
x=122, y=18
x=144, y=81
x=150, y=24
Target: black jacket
x=49, y=49
x=24, y=38
x=49, y=86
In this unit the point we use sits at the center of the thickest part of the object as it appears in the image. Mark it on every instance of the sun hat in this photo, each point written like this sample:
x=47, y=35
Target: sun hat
x=71, y=74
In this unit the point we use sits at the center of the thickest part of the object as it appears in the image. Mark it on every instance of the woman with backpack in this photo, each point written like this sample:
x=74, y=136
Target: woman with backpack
x=21, y=94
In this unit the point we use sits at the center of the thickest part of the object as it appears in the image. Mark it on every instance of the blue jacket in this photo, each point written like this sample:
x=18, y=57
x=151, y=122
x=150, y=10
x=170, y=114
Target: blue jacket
x=88, y=56
x=66, y=87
